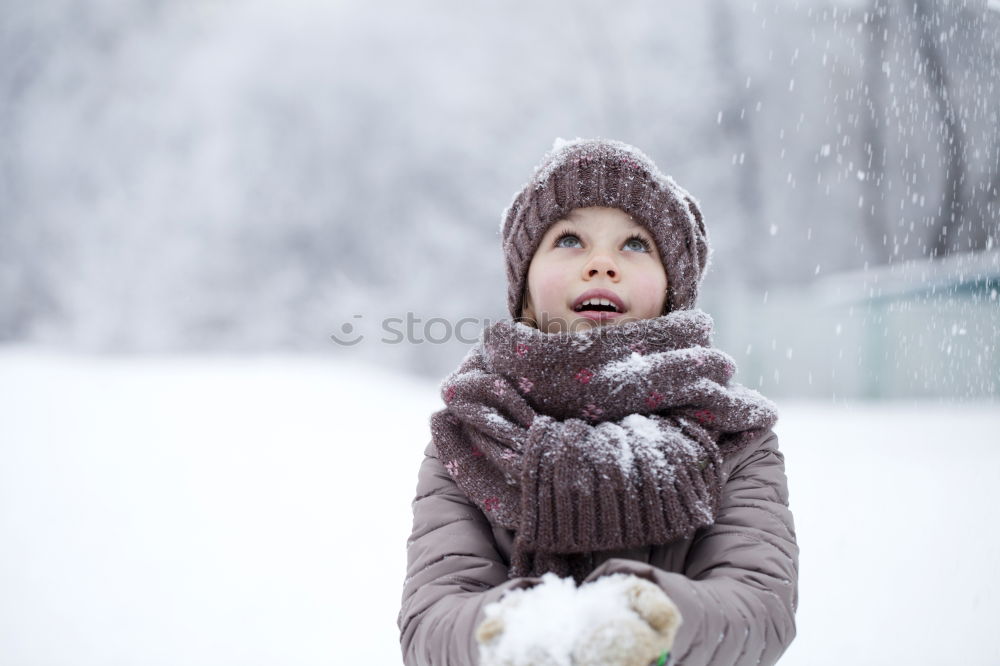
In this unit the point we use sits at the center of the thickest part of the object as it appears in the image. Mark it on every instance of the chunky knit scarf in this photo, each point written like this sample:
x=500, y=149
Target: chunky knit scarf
x=602, y=439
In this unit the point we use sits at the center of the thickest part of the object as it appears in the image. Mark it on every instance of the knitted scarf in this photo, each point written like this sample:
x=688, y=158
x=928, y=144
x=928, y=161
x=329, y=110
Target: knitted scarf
x=603, y=439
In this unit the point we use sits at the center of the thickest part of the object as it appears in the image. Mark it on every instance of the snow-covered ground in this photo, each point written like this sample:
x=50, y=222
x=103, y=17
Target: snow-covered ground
x=212, y=511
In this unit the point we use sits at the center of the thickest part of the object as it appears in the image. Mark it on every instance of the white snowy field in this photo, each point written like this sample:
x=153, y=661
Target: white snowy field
x=213, y=511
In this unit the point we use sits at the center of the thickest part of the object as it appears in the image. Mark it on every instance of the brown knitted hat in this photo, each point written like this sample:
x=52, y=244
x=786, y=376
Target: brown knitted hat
x=604, y=172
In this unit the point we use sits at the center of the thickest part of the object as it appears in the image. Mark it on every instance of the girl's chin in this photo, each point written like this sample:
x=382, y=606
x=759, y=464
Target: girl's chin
x=578, y=321
x=600, y=317
x=592, y=319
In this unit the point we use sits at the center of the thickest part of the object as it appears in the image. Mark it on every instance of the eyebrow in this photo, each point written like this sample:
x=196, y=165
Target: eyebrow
x=569, y=222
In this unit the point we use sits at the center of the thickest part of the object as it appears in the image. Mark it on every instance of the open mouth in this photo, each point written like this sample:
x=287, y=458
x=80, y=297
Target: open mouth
x=597, y=305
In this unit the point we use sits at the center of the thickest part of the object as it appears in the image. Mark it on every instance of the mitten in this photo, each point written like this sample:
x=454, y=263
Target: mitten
x=636, y=637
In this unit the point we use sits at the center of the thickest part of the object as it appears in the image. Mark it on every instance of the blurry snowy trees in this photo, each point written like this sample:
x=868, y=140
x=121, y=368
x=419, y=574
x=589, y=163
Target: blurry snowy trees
x=252, y=175
x=932, y=140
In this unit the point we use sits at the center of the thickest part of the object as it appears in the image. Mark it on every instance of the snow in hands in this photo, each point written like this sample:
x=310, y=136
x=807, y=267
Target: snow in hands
x=617, y=620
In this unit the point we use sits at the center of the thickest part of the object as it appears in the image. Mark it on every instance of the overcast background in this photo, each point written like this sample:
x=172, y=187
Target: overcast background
x=252, y=176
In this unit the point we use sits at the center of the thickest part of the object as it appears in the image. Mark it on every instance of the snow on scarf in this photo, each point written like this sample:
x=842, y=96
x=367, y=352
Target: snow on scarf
x=602, y=439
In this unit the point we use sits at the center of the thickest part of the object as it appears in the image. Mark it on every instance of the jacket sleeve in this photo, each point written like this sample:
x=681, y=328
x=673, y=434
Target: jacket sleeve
x=453, y=571
x=739, y=590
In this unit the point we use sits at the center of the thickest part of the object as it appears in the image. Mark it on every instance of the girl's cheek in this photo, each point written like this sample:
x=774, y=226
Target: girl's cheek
x=653, y=289
x=652, y=280
x=550, y=285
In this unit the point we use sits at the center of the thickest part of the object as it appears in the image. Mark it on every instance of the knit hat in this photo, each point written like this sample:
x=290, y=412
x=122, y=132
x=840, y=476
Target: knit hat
x=604, y=172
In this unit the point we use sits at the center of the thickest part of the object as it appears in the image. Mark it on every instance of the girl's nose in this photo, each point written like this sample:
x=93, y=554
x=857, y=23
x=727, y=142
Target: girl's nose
x=601, y=264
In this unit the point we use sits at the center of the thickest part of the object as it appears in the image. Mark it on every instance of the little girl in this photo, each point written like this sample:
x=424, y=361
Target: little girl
x=598, y=436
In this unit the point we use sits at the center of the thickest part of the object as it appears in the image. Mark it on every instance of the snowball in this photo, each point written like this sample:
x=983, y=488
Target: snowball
x=544, y=623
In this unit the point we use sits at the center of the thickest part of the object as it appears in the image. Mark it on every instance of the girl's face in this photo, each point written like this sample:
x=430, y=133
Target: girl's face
x=591, y=249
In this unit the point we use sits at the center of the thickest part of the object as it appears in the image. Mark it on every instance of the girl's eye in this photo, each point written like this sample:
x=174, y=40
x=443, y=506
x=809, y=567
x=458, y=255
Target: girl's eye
x=559, y=241
x=640, y=244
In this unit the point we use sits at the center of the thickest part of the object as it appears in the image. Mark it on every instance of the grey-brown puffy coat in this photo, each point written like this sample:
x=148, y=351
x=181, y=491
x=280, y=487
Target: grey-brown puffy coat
x=735, y=582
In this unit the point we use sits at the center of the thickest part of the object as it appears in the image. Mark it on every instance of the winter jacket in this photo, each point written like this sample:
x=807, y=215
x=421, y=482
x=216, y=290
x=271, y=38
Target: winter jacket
x=735, y=582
